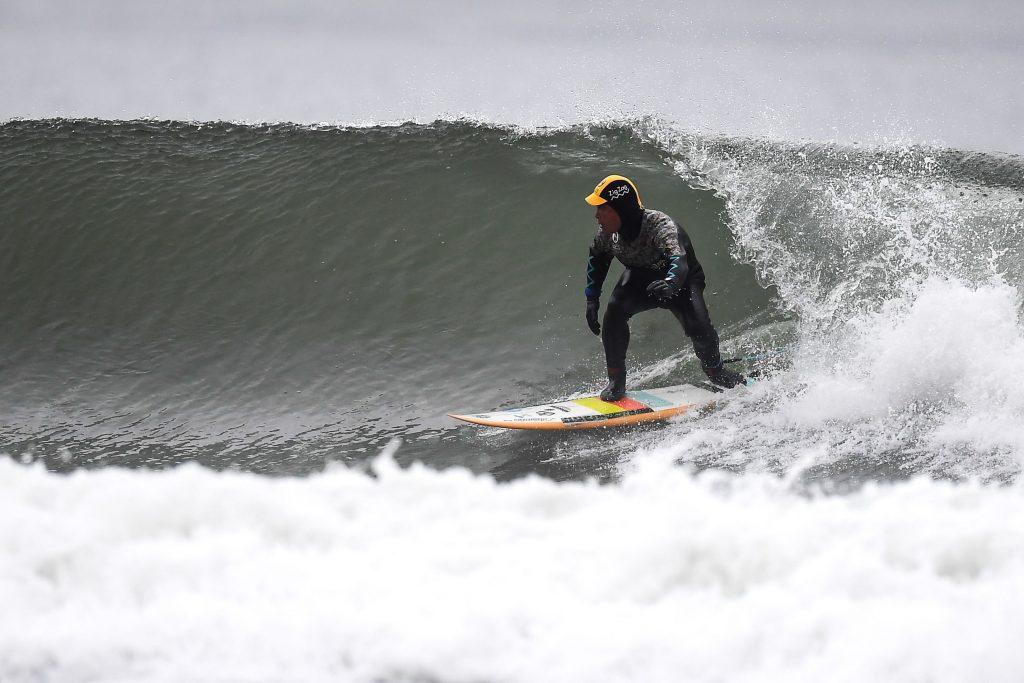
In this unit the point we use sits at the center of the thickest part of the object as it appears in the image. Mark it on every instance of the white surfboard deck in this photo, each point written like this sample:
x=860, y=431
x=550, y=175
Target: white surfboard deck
x=591, y=412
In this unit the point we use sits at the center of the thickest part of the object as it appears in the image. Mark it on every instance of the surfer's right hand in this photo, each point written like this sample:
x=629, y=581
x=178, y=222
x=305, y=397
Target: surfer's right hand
x=592, y=307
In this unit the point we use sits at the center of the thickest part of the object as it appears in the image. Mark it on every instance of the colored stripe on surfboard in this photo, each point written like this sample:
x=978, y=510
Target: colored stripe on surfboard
x=620, y=415
x=624, y=407
x=607, y=408
x=650, y=399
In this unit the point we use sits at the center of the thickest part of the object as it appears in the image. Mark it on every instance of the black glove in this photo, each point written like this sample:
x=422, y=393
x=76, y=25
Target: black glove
x=662, y=290
x=592, y=307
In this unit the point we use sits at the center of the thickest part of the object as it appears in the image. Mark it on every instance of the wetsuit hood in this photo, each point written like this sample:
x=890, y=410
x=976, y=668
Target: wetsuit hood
x=621, y=194
x=632, y=218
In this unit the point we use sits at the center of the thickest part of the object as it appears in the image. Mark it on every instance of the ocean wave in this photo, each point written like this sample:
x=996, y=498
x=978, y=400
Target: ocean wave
x=274, y=297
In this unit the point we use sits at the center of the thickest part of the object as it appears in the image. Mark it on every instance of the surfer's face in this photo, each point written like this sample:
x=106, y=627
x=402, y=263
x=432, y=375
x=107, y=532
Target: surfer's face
x=608, y=218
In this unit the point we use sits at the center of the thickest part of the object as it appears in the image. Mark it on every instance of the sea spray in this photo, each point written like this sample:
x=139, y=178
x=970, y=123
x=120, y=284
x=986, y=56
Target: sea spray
x=188, y=574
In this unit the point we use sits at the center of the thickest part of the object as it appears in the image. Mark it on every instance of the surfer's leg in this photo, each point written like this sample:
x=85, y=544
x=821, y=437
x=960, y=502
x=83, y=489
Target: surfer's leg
x=692, y=312
x=615, y=329
x=625, y=302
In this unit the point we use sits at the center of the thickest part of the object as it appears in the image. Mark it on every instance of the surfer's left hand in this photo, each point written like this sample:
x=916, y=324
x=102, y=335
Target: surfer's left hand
x=660, y=290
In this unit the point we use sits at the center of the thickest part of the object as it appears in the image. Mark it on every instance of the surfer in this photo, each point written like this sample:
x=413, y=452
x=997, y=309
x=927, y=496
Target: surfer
x=662, y=271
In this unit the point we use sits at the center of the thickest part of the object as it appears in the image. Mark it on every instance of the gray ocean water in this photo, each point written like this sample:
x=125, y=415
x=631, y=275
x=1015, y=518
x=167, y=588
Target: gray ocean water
x=276, y=297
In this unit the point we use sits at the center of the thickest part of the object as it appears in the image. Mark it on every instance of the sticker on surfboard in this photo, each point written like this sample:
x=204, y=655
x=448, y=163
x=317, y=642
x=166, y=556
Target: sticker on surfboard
x=591, y=412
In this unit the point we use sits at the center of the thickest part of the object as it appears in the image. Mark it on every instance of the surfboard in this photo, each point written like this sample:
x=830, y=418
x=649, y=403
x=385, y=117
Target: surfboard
x=591, y=412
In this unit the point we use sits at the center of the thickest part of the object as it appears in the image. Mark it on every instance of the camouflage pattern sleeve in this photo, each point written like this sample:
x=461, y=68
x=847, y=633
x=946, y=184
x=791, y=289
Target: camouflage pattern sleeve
x=666, y=234
x=667, y=241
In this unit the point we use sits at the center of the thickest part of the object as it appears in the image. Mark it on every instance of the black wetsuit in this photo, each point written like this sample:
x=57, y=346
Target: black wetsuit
x=653, y=248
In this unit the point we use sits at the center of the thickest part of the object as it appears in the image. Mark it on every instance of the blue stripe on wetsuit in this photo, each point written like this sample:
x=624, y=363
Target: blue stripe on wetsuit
x=597, y=270
x=673, y=264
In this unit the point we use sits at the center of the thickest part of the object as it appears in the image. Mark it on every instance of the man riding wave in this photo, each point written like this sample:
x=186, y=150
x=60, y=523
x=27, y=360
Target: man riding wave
x=662, y=271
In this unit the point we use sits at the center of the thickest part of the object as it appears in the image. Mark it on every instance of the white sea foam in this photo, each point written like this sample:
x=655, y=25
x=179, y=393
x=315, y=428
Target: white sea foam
x=907, y=341
x=930, y=382
x=188, y=575
x=946, y=344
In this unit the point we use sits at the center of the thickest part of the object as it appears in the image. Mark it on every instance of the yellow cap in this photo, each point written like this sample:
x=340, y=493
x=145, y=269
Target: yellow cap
x=611, y=188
